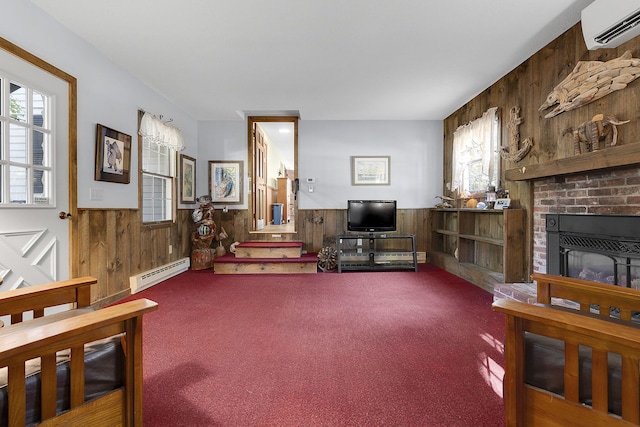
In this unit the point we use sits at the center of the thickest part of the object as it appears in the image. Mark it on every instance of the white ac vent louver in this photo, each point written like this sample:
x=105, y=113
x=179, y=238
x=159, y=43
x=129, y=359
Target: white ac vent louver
x=609, y=23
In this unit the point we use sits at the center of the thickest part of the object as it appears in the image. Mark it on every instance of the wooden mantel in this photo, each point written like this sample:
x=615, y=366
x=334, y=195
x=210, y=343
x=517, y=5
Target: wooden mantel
x=622, y=155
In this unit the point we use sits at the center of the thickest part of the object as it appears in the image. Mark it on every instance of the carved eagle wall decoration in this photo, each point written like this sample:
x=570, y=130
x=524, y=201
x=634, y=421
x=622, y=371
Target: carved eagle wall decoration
x=591, y=80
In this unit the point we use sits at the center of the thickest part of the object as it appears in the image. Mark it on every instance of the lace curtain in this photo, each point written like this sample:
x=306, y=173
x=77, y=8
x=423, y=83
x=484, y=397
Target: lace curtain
x=153, y=129
x=476, y=154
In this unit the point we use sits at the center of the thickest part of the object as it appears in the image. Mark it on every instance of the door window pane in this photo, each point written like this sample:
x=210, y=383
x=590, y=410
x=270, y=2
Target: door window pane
x=41, y=187
x=39, y=149
x=26, y=162
x=18, y=179
x=39, y=107
x=18, y=143
x=18, y=102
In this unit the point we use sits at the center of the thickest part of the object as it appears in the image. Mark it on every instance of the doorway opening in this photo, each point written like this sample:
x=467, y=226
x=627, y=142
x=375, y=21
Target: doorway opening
x=273, y=173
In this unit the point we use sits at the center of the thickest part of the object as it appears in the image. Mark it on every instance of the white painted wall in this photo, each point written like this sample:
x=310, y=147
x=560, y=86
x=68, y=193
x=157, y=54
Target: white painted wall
x=325, y=149
x=106, y=94
x=221, y=140
x=324, y=153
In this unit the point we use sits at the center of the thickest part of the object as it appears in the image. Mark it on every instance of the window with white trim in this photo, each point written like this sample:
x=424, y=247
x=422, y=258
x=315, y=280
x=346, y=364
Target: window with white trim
x=26, y=146
x=158, y=173
x=160, y=144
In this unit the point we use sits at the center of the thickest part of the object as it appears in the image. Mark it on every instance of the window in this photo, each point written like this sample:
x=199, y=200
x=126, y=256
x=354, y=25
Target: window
x=26, y=146
x=476, y=155
x=160, y=143
x=158, y=172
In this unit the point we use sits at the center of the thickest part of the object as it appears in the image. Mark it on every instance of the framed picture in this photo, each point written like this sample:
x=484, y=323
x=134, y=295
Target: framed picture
x=371, y=170
x=113, y=155
x=225, y=181
x=187, y=179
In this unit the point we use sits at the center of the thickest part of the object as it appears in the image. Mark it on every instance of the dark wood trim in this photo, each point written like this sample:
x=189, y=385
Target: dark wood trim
x=622, y=155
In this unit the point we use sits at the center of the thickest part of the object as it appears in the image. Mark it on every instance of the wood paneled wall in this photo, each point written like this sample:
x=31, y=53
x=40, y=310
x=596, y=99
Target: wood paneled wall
x=317, y=228
x=114, y=245
x=527, y=86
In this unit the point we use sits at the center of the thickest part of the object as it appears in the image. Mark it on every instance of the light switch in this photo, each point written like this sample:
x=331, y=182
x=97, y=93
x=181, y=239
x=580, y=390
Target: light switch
x=95, y=194
x=310, y=188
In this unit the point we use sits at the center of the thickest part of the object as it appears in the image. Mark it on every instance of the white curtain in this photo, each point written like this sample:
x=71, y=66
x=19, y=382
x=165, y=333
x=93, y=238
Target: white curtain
x=155, y=130
x=475, y=157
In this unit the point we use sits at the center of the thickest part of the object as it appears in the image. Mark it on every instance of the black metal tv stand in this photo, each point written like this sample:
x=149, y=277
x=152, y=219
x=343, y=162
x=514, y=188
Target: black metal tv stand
x=369, y=252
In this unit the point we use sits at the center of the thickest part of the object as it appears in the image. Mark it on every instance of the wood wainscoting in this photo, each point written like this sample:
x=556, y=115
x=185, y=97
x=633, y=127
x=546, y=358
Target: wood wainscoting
x=114, y=245
x=317, y=228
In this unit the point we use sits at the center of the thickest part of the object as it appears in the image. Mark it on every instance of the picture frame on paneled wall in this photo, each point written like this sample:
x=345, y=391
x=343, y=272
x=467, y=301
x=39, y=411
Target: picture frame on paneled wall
x=113, y=155
x=370, y=170
x=225, y=181
x=187, y=179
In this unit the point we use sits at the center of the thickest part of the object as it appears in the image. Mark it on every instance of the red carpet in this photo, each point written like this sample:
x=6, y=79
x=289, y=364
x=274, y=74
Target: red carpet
x=351, y=349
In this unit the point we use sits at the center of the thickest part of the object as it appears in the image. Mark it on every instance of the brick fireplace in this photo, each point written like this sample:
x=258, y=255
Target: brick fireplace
x=603, y=192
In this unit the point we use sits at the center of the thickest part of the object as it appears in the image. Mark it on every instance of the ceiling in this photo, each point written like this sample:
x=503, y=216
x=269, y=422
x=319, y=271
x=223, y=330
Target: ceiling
x=322, y=59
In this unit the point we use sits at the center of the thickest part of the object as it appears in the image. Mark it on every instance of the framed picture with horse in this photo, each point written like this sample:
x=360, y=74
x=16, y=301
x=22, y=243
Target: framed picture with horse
x=113, y=155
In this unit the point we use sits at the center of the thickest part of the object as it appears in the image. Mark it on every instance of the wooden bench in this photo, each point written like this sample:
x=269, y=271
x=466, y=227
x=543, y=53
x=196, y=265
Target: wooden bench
x=25, y=340
x=528, y=405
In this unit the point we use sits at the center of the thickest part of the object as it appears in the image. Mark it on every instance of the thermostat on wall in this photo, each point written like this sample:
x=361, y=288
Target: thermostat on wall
x=311, y=180
x=502, y=203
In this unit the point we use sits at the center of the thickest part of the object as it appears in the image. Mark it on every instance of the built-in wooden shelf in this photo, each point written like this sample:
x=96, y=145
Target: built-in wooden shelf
x=622, y=155
x=484, y=246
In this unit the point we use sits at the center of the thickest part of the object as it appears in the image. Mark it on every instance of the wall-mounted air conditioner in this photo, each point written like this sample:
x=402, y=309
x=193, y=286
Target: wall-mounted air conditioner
x=609, y=23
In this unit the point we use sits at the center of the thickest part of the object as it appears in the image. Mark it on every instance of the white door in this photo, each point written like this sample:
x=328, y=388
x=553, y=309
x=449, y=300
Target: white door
x=34, y=144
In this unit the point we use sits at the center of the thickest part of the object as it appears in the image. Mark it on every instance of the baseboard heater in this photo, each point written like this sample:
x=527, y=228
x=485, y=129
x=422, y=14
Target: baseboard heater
x=149, y=278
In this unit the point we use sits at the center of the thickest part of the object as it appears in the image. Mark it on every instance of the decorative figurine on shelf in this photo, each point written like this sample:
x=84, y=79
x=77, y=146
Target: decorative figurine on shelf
x=490, y=200
x=204, y=232
x=471, y=203
x=446, y=202
x=600, y=132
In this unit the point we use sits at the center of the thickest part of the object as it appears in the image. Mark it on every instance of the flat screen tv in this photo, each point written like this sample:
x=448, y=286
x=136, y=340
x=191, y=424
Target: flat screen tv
x=371, y=215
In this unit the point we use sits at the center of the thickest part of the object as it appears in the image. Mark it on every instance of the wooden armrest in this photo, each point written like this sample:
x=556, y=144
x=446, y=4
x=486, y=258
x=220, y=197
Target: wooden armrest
x=72, y=331
x=570, y=326
x=586, y=293
x=39, y=297
x=524, y=402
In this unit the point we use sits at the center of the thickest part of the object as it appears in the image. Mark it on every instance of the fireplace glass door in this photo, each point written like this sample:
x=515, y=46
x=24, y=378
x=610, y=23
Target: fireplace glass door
x=595, y=267
x=598, y=248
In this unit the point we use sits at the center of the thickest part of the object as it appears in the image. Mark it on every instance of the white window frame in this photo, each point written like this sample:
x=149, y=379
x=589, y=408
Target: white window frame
x=47, y=198
x=158, y=165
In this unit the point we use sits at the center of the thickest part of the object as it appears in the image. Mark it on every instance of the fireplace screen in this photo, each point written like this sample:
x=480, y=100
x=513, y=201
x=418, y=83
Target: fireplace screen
x=599, y=248
x=601, y=268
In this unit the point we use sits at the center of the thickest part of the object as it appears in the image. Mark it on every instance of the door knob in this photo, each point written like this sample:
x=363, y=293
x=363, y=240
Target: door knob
x=64, y=215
